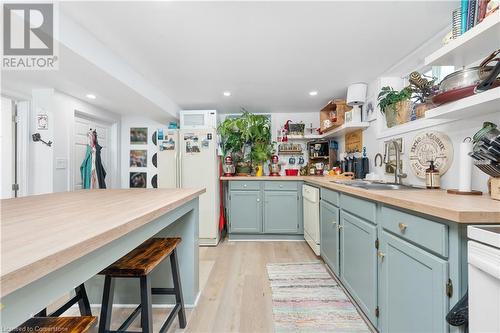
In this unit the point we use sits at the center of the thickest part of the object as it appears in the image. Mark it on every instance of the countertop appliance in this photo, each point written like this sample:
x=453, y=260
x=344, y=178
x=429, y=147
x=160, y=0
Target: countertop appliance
x=484, y=278
x=188, y=159
x=311, y=217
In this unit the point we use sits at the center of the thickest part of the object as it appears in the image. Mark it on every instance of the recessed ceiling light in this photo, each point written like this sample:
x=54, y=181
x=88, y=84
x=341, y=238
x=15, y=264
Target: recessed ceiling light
x=313, y=93
x=91, y=96
x=227, y=93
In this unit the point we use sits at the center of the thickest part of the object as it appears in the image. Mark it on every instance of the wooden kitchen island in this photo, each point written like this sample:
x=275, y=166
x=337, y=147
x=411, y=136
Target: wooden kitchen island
x=54, y=242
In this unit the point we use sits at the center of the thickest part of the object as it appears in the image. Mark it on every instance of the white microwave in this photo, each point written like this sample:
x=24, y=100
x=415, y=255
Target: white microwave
x=198, y=119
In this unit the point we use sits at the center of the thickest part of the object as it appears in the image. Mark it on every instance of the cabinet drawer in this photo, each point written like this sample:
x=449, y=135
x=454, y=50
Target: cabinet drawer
x=330, y=196
x=284, y=185
x=362, y=208
x=428, y=234
x=244, y=185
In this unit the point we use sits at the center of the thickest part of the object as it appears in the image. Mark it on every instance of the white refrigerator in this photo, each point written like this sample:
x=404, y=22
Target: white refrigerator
x=188, y=159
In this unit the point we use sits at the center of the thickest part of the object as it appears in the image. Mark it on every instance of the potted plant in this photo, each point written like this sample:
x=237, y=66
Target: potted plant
x=246, y=138
x=395, y=105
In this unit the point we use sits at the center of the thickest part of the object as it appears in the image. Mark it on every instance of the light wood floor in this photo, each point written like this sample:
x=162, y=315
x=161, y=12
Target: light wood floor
x=235, y=293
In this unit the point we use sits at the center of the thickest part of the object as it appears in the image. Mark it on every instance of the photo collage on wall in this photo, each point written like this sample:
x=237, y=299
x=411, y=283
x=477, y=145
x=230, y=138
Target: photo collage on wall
x=138, y=158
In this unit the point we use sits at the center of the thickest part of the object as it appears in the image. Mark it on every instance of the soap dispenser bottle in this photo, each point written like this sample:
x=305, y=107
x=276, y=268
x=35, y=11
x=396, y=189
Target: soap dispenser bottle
x=432, y=177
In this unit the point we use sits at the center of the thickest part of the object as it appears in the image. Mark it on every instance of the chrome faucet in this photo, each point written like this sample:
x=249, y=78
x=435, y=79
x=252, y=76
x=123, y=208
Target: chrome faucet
x=398, y=166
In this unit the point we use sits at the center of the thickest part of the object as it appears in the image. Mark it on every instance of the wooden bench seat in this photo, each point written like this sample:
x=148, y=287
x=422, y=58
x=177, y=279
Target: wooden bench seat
x=143, y=259
x=57, y=324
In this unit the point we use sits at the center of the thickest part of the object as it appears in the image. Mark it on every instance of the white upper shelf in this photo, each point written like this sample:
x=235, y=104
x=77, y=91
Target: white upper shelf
x=476, y=105
x=473, y=45
x=345, y=129
x=334, y=133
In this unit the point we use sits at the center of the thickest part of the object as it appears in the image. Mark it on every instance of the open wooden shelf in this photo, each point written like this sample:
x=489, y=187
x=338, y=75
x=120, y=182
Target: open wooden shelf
x=473, y=45
x=473, y=106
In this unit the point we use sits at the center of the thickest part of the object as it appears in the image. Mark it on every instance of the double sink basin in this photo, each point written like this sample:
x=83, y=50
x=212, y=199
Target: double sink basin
x=372, y=185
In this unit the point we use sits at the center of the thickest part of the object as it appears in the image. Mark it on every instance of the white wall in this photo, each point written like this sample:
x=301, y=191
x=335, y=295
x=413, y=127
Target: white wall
x=137, y=121
x=43, y=177
x=64, y=119
x=6, y=146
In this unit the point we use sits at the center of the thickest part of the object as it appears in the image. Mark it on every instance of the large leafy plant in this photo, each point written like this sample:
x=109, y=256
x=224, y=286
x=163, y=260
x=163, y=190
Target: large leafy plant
x=388, y=96
x=250, y=131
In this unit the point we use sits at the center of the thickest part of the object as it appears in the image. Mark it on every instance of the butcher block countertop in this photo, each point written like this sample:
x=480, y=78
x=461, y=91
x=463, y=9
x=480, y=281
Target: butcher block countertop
x=42, y=233
x=458, y=208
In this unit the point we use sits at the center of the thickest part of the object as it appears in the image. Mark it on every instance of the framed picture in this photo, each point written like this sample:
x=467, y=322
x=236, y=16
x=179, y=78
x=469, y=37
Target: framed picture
x=138, y=158
x=42, y=121
x=369, y=109
x=138, y=180
x=138, y=135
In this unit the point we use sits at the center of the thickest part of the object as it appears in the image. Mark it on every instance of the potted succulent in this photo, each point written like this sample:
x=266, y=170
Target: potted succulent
x=395, y=105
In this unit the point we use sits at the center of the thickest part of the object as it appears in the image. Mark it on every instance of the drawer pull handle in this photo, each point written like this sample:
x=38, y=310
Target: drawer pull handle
x=244, y=185
x=381, y=255
x=258, y=200
x=402, y=227
x=281, y=185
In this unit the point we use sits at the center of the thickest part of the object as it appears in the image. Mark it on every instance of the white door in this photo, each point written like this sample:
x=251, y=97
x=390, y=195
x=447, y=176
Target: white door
x=199, y=169
x=7, y=142
x=167, y=158
x=82, y=127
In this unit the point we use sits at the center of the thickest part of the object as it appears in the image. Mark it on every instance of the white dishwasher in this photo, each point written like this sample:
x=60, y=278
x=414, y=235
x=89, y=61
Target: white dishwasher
x=484, y=278
x=310, y=196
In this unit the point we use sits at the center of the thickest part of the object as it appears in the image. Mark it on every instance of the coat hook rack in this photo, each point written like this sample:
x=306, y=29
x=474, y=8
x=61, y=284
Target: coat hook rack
x=37, y=137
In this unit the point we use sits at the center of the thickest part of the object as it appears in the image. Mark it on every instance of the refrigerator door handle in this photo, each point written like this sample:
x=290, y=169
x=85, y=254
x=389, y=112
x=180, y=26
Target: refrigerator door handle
x=179, y=169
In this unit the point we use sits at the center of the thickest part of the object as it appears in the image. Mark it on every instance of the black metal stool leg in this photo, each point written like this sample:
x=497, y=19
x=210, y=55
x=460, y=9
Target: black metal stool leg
x=179, y=300
x=146, y=305
x=42, y=313
x=107, y=304
x=83, y=302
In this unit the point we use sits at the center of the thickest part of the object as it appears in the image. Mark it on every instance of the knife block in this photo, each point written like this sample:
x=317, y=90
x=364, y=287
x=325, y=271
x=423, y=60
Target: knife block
x=495, y=188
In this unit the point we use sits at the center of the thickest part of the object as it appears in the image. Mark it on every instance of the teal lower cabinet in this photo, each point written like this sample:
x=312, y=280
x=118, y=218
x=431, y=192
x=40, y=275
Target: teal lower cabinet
x=412, y=288
x=281, y=212
x=329, y=235
x=260, y=208
x=358, y=262
x=245, y=215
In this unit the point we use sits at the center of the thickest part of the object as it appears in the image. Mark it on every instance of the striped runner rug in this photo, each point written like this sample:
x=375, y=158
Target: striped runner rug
x=307, y=299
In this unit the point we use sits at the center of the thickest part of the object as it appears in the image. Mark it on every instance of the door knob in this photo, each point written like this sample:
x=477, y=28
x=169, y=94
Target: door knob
x=258, y=200
x=334, y=222
x=381, y=255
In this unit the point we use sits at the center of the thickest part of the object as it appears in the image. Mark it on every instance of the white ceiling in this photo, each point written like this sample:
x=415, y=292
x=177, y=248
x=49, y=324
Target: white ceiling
x=78, y=77
x=268, y=54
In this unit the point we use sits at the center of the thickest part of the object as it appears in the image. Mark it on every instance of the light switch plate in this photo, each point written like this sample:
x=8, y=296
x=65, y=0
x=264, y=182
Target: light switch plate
x=61, y=163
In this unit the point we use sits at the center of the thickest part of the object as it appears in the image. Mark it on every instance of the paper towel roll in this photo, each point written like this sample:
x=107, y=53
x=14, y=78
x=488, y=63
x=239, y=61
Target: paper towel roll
x=465, y=171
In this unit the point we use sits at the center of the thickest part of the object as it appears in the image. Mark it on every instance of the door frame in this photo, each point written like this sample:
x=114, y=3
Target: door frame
x=113, y=172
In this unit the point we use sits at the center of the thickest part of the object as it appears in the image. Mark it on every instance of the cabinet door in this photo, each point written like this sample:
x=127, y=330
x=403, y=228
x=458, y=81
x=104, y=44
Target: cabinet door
x=358, y=260
x=329, y=235
x=281, y=212
x=245, y=212
x=412, y=288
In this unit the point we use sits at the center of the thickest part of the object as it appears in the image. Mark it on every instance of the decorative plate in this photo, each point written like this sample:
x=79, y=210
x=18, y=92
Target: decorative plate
x=427, y=146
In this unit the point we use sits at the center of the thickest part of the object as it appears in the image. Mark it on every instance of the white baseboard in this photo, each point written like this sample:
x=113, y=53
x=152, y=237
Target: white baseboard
x=155, y=306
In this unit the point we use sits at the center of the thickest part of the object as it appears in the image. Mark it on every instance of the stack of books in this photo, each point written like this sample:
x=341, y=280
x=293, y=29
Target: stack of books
x=470, y=13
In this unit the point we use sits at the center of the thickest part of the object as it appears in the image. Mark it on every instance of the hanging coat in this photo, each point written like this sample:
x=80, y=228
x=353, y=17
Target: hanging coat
x=101, y=173
x=86, y=169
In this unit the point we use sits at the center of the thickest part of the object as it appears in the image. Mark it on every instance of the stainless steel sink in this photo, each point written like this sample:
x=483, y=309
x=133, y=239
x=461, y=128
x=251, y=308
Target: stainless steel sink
x=376, y=185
